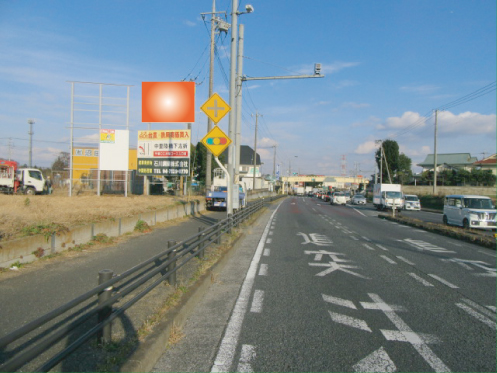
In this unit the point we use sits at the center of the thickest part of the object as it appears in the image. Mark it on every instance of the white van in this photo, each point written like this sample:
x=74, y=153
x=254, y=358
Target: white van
x=469, y=211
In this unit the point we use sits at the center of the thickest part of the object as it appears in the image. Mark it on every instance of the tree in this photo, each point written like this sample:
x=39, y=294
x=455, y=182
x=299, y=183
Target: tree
x=404, y=172
x=391, y=153
x=199, y=163
x=62, y=162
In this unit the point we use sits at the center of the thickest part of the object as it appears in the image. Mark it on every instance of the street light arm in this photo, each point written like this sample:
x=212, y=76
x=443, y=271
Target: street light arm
x=245, y=78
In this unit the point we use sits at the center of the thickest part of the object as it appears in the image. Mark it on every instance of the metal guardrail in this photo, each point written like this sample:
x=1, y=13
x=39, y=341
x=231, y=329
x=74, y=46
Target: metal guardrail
x=112, y=288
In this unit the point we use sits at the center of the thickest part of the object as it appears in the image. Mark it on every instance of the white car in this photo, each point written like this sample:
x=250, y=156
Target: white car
x=411, y=202
x=338, y=198
x=469, y=211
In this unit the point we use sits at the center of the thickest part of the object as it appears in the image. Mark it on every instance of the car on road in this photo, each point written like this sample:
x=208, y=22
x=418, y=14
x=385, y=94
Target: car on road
x=411, y=202
x=358, y=199
x=469, y=211
x=326, y=196
x=347, y=196
x=338, y=198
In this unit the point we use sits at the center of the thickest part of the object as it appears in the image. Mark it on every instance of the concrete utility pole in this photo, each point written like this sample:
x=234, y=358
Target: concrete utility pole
x=222, y=26
x=31, y=133
x=238, y=130
x=435, y=158
x=257, y=115
x=274, y=162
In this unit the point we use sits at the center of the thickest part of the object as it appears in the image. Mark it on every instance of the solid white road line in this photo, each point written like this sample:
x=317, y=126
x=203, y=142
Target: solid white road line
x=359, y=212
x=419, y=279
x=445, y=282
x=226, y=352
x=257, y=301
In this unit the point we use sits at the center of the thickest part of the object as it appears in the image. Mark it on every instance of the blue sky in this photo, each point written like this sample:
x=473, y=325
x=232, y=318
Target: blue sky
x=387, y=63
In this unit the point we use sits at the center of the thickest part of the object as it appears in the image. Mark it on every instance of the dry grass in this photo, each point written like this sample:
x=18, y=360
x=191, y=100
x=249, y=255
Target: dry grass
x=20, y=213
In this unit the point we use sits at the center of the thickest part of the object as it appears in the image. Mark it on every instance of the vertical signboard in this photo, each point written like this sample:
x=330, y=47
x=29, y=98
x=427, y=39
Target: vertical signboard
x=114, y=150
x=164, y=153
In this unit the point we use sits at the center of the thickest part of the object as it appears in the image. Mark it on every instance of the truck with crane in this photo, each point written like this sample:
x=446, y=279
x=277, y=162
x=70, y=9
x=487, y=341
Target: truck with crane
x=15, y=180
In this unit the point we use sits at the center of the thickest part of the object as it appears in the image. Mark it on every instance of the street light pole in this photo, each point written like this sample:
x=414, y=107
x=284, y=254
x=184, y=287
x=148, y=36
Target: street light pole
x=30, y=133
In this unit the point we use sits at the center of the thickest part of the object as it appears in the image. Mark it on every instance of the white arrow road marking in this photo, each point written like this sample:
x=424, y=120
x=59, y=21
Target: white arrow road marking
x=378, y=361
x=481, y=308
x=422, y=280
x=246, y=356
x=410, y=337
x=339, y=301
x=336, y=267
x=477, y=315
x=422, y=245
x=350, y=321
x=226, y=352
x=422, y=348
x=257, y=301
x=445, y=282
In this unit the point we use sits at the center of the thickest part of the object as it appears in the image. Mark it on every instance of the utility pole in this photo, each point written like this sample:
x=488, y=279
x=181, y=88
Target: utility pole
x=10, y=148
x=274, y=162
x=257, y=115
x=31, y=133
x=238, y=126
x=435, y=158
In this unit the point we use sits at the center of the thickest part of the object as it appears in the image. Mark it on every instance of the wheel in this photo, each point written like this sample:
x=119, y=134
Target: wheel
x=444, y=219
x=465, y=224
x=30, y=192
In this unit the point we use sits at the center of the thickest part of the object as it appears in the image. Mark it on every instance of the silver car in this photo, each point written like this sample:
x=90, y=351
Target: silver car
x=358, y=199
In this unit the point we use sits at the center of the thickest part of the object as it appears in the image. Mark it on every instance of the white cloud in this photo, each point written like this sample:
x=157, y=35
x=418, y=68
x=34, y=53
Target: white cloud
x=467, y=123
x=189, y=23
x=420, y=89
x=366, y=147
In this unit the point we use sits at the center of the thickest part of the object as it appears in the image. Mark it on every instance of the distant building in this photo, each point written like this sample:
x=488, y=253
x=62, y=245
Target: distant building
x=247, y=161
x=449, y=162
x=488, y=163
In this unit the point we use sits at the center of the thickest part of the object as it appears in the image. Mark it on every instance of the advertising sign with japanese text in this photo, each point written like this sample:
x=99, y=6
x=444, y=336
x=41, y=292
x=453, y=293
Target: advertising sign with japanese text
x=164, y=153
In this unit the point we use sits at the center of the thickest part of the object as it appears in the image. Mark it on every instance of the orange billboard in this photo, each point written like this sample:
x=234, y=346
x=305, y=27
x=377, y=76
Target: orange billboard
x=168, y=102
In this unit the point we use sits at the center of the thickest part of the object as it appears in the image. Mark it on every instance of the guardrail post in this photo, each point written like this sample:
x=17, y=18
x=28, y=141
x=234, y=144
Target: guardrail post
x=200, y=246
x=105, y=334
x=219, y=232
x=172, y=277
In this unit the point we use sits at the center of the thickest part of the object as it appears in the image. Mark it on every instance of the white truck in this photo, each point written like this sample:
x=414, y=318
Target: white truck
x=300, y=191
x=388, y=196
x=22, y=180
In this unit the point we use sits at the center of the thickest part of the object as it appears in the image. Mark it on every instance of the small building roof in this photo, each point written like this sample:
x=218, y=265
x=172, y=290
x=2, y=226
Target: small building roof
x=452, y=159
x=246, y=156
x=489, y=161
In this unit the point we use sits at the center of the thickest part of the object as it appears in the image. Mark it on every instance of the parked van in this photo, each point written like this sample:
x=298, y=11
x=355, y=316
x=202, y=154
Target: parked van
x=469, y=211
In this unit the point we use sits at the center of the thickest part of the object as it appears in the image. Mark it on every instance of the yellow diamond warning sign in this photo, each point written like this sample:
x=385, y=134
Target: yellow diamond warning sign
x=216, y=141
x=215, y=108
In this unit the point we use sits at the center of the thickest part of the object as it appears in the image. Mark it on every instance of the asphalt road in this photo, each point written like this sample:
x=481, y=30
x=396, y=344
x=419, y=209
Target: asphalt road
x=334, y=288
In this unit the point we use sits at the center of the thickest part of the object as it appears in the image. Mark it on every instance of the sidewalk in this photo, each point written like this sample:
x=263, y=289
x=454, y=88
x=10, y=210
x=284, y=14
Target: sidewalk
x=201, y=319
